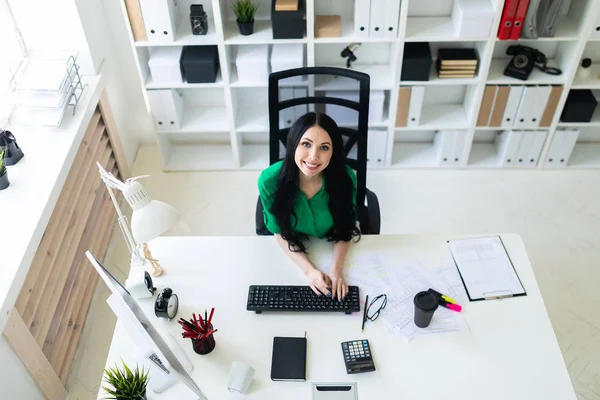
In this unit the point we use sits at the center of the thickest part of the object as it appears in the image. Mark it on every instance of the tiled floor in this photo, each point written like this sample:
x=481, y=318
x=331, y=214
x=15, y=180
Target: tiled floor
x=556, y=212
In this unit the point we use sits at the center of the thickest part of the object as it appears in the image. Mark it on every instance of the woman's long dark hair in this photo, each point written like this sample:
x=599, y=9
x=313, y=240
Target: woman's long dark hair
x=337, y=183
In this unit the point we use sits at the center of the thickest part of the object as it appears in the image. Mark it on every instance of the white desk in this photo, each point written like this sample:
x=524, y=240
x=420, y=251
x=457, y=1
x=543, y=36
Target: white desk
x=510, y=352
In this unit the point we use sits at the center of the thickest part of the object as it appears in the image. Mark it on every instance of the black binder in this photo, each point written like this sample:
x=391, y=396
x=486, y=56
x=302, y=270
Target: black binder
x=289, y=359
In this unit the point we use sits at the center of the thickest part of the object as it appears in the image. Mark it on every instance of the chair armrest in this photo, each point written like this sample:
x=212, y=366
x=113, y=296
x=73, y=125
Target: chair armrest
x=373, y=212
x=259, y=220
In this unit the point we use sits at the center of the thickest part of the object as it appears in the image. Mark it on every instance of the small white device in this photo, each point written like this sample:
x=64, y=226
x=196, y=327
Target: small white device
x=240, y=377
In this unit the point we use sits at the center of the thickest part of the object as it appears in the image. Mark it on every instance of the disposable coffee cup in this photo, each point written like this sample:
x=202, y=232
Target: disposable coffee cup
x=425, y=306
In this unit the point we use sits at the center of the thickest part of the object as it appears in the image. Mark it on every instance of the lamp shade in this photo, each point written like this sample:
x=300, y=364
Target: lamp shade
x=151, y=218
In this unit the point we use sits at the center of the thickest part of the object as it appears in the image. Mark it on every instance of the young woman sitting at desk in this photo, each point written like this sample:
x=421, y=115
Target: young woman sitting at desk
x=312, y=192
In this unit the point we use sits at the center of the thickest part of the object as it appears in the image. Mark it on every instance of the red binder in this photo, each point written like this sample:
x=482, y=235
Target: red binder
x=508, y=17
x=519, y=19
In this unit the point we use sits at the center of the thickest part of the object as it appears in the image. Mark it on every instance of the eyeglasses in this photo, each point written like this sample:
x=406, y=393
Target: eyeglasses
x=375, y=307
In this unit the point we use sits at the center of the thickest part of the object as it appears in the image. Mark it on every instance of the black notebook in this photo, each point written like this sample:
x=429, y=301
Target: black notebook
x=289, y=359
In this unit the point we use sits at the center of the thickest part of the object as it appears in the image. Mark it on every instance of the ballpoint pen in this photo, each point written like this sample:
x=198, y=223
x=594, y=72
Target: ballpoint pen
x=362, y=329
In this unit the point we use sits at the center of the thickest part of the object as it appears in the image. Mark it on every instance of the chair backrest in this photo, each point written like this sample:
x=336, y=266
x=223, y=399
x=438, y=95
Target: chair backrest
x=356, y=137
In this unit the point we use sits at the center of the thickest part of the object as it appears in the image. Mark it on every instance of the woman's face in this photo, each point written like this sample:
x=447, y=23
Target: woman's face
x=314, y=151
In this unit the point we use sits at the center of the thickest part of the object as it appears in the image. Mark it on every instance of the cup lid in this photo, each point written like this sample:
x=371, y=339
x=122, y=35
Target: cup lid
x=426, y=301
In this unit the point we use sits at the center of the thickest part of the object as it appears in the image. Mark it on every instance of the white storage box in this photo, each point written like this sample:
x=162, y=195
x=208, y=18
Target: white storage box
x=596, y=29
x=345, y=116
x=165, y=64
x=288, y=56
x=252, y=63
x=472, y=18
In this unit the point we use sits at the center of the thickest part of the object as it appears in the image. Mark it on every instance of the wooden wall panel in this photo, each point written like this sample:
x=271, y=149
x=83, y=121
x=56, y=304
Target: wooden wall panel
x=50, y=312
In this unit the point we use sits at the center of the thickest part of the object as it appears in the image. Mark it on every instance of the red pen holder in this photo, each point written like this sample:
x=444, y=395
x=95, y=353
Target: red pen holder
x=206, y=345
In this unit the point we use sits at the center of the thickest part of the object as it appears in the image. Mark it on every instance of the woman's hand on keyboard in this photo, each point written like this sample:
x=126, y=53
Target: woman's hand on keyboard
x=339, y=287
x=319, y=282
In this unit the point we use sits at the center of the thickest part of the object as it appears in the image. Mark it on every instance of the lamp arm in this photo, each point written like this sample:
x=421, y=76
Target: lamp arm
x=134, y=249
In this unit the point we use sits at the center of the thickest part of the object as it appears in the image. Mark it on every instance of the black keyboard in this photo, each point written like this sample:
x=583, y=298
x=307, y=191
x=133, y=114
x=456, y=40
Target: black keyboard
x=298, y=298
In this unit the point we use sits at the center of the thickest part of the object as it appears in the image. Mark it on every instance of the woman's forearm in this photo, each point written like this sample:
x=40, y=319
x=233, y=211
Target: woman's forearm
x=340, y=251
x=299, y=258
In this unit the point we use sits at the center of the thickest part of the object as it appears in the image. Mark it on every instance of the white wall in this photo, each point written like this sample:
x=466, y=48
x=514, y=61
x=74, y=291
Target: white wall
x=14, y=378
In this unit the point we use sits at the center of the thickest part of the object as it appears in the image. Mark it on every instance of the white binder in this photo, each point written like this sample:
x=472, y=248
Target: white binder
x=524, y=149
x=539, y=137
x=539, y=105
x=376, y=148
x=286, y=116
x=417, y=94
x=392, y=14
x=301, y=109
x=444, y=143
x=362, y=15
x=568, y=145
x=172, y=105
x=154, y=98
x=377, y=18
x=508, y=145
x=512, y=105
x=160, y=19
x=596, y=29
x=525, y=105
x=459, y=145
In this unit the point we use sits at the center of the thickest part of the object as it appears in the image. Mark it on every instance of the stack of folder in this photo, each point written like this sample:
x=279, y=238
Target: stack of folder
x=457, y=63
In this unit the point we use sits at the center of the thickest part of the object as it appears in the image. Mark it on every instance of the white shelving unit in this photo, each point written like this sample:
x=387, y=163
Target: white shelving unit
x=225, y=124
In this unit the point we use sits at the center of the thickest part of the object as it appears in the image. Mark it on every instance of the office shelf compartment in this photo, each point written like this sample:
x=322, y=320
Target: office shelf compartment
x=204, y=111
x=255, y=150
x=586, y=153
x=250, y=108
x=414, y=149
x=560, y=54
x=570, y=20
x=196, y=151
x=348, y=118
x=481, y=48
x=374, y=59
x=594, y=122
x=236, y=82
x=431, y=21
x=446, y=107
x=484, y=150
x=263, y=28
x=184, y=36
x=592, y=51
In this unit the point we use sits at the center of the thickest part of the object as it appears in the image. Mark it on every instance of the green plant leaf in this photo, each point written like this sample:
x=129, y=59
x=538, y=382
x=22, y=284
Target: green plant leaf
x=244, y=10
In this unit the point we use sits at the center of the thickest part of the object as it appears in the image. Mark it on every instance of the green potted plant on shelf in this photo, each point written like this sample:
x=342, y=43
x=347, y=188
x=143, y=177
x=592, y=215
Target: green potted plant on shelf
x=126, y=384
x=3, y=172
x=245, y=11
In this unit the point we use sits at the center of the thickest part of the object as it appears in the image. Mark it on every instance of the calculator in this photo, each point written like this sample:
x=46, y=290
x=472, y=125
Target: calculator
x=357, y=356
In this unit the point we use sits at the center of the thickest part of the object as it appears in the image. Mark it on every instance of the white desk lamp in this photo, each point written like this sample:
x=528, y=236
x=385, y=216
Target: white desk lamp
x=151, y=218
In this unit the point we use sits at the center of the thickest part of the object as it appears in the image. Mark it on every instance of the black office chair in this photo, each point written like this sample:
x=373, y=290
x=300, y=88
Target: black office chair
x=368, y=205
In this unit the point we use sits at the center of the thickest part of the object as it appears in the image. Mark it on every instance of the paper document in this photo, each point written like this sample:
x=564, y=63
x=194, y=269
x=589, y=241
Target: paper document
x=400, y=283
x=485, y=268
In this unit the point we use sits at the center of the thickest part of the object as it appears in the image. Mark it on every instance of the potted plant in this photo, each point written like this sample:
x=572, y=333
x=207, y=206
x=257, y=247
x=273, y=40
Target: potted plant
x=245, y=11
x=126, y=384
x=3, y=172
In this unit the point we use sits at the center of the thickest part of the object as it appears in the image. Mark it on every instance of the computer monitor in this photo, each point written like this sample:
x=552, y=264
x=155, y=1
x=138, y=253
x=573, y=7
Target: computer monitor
x=144, y=331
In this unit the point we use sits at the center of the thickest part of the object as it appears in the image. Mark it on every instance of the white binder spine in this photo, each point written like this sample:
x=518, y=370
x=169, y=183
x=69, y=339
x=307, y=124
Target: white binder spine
x=362, y=15
x=377, y=18
x=539, y=105
x=508, y=145
x=525, y=148
x=392, y=15
x=512, y=105
x=444, y=143
x=172, y=104
x=154, y=98
x=525, y=106
x=417, y=94
x=459, y=146
x=160, y=19
x=568, y=145
x=539, y=137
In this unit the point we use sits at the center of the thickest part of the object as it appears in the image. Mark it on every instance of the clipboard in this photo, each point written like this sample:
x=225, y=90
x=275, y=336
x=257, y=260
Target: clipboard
x=485, y=268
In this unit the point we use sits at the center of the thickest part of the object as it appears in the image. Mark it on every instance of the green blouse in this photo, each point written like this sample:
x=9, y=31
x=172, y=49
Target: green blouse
x=314, y=218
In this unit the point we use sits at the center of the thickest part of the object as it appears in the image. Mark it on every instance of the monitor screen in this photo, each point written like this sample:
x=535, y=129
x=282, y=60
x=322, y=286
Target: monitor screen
x=127, y=302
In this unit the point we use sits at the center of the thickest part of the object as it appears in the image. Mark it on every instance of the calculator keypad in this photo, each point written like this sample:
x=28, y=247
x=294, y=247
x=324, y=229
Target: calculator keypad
x=357, y=356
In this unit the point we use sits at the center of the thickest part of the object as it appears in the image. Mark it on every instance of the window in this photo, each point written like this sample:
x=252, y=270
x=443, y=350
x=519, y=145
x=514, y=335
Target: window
x=10, y=51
